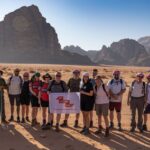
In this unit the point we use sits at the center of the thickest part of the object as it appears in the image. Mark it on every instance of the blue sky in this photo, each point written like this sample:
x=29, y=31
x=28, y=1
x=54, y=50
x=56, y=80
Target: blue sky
x=90, y=23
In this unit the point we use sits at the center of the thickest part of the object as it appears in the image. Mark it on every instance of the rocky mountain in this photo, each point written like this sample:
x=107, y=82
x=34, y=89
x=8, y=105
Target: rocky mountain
x=145, y=41
x=76, y=49
x=124, y=52
x=26, y=37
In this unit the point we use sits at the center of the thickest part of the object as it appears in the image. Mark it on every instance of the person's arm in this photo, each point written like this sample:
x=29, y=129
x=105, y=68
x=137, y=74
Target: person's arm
x=31, y=91
x=123, y=89
x=129, y=97
x=87, y=93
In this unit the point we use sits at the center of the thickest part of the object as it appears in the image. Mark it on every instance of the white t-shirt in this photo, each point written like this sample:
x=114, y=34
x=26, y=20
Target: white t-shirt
x=15, y=85
x=148, y=96
x=101, y=97
x=116, y=86
x=137, y=89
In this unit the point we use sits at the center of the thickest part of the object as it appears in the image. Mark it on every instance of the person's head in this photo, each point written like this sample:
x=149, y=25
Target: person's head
x=16, y=72
x=37, y=76
x=139, y=77
x=26, y=76
x=85, y=77
x=1, y=73
x=58, y=76
x=95, y=72
x=47, y=77
x=98, y=80
x=148, y=78
x=76, y=73
x=116, y=74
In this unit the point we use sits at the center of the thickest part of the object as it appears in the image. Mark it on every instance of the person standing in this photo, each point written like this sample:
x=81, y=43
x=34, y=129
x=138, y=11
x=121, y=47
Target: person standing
x=86, y=102
x=136, y=100
x=14, y=91
x=117, y=88
x=101, y=104
x=25, y=97
x=34, y=87
x=94, y=74
x=74, y=86
x=3, y=86
x=147, y=105
x=44, y=98
x=57, y=86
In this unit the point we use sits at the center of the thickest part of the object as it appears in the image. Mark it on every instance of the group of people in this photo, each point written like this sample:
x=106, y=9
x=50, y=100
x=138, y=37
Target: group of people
x=94, y=94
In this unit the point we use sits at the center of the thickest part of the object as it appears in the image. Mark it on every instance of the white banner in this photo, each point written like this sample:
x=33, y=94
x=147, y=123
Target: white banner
x=64, y=102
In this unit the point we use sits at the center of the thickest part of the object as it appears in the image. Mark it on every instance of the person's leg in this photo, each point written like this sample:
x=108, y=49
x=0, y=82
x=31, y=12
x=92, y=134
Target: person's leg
x=44, y=109
x=23, y=113
x=133, y=114
x=106, y=125
x=11, y=99
x=111, y=116
x=99, y=124
x=77, y=120
x=17, y=97
x=3, y=108
x=140, y=108
x=87, y=122
x=27, y=112
x=58, y=117
x=65, y=123
x=91, y=119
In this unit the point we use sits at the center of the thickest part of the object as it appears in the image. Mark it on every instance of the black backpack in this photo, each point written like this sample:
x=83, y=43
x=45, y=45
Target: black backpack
x=53, y=82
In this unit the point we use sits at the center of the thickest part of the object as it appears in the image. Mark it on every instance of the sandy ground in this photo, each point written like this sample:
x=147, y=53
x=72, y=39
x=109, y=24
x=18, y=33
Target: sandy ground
x=24, y=137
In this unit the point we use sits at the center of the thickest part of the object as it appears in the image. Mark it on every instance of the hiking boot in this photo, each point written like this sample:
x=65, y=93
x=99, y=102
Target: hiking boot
x=86, y=131
x=23, y=120
x=27, y=119
x=57, y=128
x=91, y=124
x=145, y=127
x=76, y=124
x=64, y=124
x=132, y=129
x=119, y=127
x=107, y=132
x=18, y=119
x=83, y=129
x=111, y=125
x=11, y=119
x=99, y=130
x=141, y=130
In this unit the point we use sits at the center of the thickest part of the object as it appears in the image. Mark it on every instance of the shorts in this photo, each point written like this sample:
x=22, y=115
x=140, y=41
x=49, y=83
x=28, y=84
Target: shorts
x=87, y=105
x=44, y=103
x=102, y=109
x=115, y=106
x=13, y=98
x=147, y=109
x=34, y=101
x=25, y=99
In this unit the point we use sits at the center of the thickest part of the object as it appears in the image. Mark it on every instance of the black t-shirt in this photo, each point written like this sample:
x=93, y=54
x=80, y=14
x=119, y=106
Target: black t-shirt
x=86, y=87
x=25, y=88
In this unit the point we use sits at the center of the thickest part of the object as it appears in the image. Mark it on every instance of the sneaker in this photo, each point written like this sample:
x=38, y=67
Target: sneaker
x=64, y=124
x=141, y=130
x=86, y=131
x=57, y=128
x=23, y=120
x=76, y=124
x=145, y=127
x=27, y=119
x=11, y=119
x=111, y=125
x=91, y=124
x=18, y=119
x=99, y=130
x=107, y=132
x=132, y=129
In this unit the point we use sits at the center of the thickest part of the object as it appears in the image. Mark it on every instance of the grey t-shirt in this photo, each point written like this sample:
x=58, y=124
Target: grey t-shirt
x=55, y=87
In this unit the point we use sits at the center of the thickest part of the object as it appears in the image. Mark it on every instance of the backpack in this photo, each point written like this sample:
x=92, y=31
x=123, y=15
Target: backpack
x=143, y=87
x=103, y=86
x=61, y=84
x=21, y=81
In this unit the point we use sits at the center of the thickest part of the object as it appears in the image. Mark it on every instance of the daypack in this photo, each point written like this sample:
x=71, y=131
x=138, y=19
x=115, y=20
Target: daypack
x=21, y=81
x=103, y=86
x=61, y=84
x=143, y=87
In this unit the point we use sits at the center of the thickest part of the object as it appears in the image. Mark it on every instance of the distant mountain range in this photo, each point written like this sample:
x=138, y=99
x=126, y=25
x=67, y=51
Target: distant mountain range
x=123, y=52
x=26, y=37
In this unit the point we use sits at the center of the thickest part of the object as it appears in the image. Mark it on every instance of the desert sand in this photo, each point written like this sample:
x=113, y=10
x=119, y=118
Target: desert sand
x=23, y=137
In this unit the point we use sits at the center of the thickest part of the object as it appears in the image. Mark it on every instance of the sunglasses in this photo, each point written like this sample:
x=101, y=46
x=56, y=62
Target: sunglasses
x=25, y=76
x=59, y=76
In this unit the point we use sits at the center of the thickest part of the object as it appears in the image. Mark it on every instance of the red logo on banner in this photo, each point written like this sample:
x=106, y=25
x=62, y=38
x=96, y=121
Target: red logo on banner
x=66, y=102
